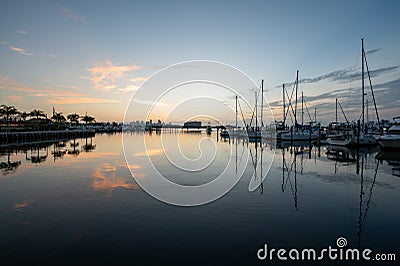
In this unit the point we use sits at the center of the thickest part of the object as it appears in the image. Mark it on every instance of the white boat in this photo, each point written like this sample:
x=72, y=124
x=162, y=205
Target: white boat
x=299, y=136
x=391, y=140
x=355, y=135
x=351, y=140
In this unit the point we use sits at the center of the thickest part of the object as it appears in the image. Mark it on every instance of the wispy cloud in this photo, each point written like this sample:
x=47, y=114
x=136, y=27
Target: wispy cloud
x=104, y=75
x=3, y=43
x=343, y=75
x=21, y=32
x=7, y=84
x=20, y=205
x=138, y=79
x=19, y=50
x=14, y=98
x=151, y=103
x=130, y=88
x=81, y=100
x=350, y=99
x=71, y=14
x=52, y=55
x=373, y=51
x=106, y=179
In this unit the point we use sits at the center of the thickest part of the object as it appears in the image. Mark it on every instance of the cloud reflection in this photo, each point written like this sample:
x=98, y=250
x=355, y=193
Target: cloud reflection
x=106, y=179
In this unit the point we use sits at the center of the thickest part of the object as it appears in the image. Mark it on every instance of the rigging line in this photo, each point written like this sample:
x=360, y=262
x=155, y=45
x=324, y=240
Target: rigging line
x=372, y=91
x=241, y=156
x=343, y=111
x=307, y=110
x=254, y=110
x=370, y=194
x=244, y=121
x=290, y=103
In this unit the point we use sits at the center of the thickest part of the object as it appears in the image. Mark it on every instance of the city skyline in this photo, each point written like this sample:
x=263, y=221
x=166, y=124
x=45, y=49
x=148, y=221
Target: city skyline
x=80, y=57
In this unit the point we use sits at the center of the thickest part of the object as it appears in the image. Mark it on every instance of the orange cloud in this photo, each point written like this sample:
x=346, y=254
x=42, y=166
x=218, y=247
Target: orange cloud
x=105, y=178
x=20, y=205
x=81, y=100
x=105, y=74
x=14, y=98
x=7, y=84
x=149, y=152
x=19, y=50
x=138, y=79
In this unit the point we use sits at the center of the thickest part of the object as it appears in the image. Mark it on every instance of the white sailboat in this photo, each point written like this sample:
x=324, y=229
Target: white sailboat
x=359, y=136
x=299, y=132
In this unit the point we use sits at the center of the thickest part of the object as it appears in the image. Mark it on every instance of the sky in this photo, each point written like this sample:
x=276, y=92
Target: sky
x=93, y=56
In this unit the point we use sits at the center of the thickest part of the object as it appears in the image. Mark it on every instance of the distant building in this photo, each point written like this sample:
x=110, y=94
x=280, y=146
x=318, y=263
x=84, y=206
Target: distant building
x=192, y=124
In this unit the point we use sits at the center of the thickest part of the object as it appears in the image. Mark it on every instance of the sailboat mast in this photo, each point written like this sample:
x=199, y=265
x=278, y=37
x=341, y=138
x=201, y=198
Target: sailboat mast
x=283, y=99
x=262, y=101
x=336, y=111
x=255, y=96
x=236, y=113
x=315, y=114
x=295, y=106
x=362, y=80
x=302, y=110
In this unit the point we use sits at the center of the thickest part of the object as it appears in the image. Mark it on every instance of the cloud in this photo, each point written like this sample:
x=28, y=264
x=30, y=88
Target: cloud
x=3, y=43
x=52, y=55
x=343, y=75
x=14, y=98
x=373, y=51
x=81, y=100
x=104, y=75
x=130, y=88
x=21, y=32
x=138, y=79
x=7, y=84
x=151, y=103
x=71, y=14
x=385, y=93
x=106, y=179
x=19, y=50
x=20, y=205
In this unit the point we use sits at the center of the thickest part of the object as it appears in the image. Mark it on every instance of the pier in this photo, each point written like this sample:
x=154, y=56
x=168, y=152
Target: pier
x=28, y=137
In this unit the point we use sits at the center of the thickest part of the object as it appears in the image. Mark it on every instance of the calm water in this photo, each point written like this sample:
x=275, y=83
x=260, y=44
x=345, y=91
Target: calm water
x=78, y=202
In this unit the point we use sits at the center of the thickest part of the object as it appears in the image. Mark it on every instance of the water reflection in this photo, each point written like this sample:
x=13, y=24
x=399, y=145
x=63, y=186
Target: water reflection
x=8, y=166
x=106, y=178
x=38, y=153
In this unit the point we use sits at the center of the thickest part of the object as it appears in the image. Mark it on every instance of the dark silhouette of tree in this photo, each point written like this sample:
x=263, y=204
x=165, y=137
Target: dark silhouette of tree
x=37, y=113
x=58, y=118
x=73, y=118
x=88, y=119
x=24, y=116
x=8, y=111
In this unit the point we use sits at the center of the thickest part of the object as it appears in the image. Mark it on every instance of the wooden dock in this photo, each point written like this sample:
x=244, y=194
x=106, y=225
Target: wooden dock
x=28, y=137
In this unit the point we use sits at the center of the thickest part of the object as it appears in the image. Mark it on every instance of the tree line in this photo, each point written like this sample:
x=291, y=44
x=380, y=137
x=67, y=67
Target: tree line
x=11, y=113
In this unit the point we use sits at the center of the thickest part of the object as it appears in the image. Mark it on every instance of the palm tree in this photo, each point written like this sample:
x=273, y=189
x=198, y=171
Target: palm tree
x=24, y=115
x=58, y=118
x=37, y=113
x=88, y=119
x=73, y=118
x=8, y=111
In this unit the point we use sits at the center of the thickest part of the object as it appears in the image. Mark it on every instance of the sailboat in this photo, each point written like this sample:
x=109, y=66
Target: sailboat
x=299, y=132
x=359, y=137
